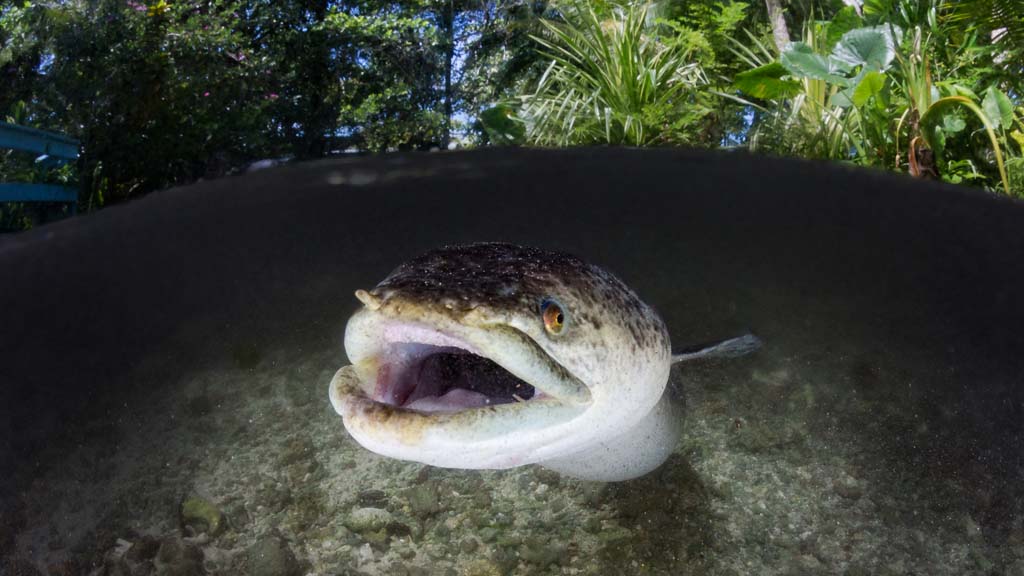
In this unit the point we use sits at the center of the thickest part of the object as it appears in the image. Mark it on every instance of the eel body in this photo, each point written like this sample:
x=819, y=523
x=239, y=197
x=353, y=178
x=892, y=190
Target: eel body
x=492, y=356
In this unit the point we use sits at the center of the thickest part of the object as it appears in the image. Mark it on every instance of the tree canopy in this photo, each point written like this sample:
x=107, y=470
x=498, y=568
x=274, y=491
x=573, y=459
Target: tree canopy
x=163, y=93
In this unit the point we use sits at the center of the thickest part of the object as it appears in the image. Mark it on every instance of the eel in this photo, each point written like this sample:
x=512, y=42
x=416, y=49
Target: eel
x=492, y=355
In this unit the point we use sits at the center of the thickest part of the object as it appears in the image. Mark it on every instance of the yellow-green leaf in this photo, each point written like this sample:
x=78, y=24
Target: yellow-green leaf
x=870, y=85
x=766, y=82
x=998, y=107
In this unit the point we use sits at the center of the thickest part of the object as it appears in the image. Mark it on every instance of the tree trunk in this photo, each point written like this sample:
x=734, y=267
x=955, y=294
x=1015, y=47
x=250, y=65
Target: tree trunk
x=319, y=112
x=778, y=19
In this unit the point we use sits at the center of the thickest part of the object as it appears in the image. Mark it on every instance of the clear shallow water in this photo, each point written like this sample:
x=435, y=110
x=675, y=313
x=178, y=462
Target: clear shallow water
x=181, y=346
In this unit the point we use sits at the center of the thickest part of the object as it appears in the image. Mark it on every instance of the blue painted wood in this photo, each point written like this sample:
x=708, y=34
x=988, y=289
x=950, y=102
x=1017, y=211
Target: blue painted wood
x=38, y=141
x=21, y=192
x=53, y=150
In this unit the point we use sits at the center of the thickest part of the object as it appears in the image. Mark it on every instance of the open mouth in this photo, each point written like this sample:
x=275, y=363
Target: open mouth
x=432, y=379
x=418, y=369
x=452, y=394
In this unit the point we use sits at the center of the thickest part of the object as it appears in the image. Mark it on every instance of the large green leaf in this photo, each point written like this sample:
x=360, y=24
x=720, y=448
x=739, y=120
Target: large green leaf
x=844, y=21
x=998, y=108
x=801, y=60
x=867, y=48
x=501, y=125
x=953, y=89
x=766, y=82
x=934, y=135
x=873, y=48
x=877, y=8
x=1018, y=137
x=870, y=85
x=952, y=123
x=843, y=98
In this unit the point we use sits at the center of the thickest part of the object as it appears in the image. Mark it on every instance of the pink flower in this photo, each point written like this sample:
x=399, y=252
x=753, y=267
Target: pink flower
x=272, y=96
x=205, y=94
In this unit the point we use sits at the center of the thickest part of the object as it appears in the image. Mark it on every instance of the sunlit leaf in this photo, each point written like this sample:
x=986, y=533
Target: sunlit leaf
x=801, y=60
x=501, y=125
x=870, y=85
x=959, y=90
x=766, y=82
x=610, y=80
x=952, y=123
x=844, y=21
x=997, y=107
x=878, y=8
x=933, y=133
x=873, y=48
x=843, y=98
x=1018, y=137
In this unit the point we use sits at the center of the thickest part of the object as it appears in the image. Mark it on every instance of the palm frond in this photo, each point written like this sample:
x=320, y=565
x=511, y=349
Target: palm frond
x=1003, y=19
x=609, y=81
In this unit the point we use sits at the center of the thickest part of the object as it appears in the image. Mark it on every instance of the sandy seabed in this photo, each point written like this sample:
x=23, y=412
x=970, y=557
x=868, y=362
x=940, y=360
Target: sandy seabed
x=788, y=465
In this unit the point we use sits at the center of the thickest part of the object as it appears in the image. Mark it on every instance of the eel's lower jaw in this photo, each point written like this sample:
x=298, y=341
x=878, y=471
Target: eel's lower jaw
x=492, y=437
x=453, y=394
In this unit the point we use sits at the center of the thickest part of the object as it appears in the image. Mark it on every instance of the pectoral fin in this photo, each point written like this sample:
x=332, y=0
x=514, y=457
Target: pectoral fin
x=731, y=348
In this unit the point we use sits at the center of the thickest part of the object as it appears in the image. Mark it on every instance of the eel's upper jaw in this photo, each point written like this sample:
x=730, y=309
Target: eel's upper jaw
x=453, y=395
x=413, y=365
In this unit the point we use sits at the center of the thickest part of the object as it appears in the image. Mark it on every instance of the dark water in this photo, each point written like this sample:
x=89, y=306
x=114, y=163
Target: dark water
x=890, y=385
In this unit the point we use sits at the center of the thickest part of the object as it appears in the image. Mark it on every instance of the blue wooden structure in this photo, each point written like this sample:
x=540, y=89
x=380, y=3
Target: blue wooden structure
x=53, y=150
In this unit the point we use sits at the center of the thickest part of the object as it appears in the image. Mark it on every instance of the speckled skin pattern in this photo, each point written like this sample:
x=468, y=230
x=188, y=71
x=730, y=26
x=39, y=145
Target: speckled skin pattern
x=601, y=377
x=509, y=277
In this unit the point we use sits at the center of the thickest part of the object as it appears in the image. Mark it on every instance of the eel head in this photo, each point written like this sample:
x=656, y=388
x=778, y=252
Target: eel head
x=494, y=356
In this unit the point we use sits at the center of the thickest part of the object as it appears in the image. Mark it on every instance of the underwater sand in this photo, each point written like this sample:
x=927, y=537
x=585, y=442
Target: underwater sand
x=783, y=469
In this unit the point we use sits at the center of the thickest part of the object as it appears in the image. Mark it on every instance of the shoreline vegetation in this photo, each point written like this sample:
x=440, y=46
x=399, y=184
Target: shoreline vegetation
x=167, y=93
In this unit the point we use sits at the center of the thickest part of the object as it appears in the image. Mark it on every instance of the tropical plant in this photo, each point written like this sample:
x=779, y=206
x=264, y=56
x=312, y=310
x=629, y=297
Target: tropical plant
x=930, y=113
x=613, y=81
x=501, y=127
x=806, y=92
x=865, y=89
x=1003, y=20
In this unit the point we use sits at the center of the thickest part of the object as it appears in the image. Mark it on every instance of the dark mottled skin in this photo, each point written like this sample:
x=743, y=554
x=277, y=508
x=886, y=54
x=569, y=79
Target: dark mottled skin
x=510, y=277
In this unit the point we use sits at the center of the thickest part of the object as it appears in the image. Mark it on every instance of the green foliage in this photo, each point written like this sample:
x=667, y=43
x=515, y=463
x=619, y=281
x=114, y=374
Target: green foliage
x=165, y=93
x=1004, y=17
x=860, y=50
x=998, y=108
x=388, y=98
x=768, y=82
x=501, y=56
x=162, y=93
x=871, y=48
x=706, y=25
x=844, y=21
x=501, y=126
x=894, y=93
x=804, y=117
x=929, y=106
x=802, y=61
x=613, y=81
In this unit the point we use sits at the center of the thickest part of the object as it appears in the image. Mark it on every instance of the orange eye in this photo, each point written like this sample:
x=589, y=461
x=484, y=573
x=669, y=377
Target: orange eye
x=554, y=317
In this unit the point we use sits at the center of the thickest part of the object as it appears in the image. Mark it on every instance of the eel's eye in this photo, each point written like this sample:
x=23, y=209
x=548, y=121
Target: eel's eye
x=555, y=318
